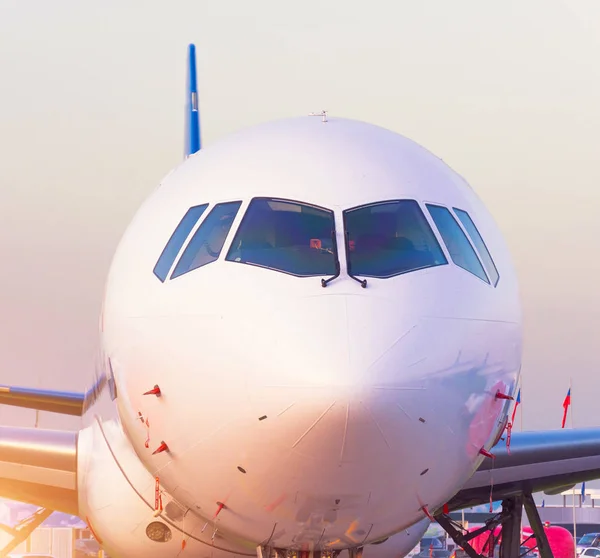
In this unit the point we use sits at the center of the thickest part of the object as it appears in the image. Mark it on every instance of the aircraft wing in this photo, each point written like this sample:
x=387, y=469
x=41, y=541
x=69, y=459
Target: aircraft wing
x=39, y=467
x=548, y=461
x=66, y=403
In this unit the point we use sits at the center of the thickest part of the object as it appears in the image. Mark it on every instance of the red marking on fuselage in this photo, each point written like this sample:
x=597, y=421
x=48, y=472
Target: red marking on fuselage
x=483, y=451
x=163, y=447
x=426, y=512
x=485, y=420
x=154, y=391
x=220, y=506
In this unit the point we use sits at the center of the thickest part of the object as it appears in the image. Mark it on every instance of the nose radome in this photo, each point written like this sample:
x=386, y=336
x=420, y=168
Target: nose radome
x=383, y=339
x=337, y=341
x=295, y=342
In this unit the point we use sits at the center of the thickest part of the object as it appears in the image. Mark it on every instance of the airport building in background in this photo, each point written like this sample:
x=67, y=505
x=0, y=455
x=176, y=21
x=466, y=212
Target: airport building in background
x=61, y=535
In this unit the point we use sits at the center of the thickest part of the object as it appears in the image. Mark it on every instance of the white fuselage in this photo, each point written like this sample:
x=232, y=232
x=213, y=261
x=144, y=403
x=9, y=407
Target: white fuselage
x=320, y=417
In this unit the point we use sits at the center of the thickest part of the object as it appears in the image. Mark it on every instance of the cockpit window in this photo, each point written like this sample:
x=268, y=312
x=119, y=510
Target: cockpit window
x=458, y=244
x=179, y=236
x=484, y=253
x=390, y=238
x=286, y=236
x=208, y=240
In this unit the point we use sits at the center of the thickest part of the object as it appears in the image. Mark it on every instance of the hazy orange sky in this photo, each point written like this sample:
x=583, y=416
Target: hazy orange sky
x=91, y=118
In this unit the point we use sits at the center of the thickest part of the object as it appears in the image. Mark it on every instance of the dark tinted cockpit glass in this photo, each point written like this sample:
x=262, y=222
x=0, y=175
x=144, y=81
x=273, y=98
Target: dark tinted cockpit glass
x=179, y=236
x=389, y=238
x=484, y=253
x=286, y=236
x=208, y=240
x=458, y=244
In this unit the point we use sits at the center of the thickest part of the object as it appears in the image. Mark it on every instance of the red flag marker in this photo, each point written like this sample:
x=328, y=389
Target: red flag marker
x=147, y=442
x=517, y=402
x=483, y=451
x=154, y=391
x=220, y=506
x=158, y=507
x=566, y=404
x=163, y=447
x=426, y=512
x=508, y=433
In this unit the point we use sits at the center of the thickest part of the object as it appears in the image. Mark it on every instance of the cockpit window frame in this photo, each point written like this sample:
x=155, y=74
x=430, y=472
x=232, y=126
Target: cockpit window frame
x=488, y=266
x=192, y=236
x=245, y=209
x=432, y=229
x=486, y=279
x=176, y=243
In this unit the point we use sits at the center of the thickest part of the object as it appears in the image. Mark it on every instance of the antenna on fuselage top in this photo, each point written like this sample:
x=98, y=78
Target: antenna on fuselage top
x=192, y=115
x=322, y=114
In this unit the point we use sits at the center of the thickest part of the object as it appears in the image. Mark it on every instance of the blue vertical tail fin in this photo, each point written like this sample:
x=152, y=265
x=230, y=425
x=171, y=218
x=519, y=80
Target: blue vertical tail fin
x=192, y=116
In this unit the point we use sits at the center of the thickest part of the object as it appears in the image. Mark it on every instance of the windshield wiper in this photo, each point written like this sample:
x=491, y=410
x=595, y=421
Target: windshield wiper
x=363, y=282
x=325, y=282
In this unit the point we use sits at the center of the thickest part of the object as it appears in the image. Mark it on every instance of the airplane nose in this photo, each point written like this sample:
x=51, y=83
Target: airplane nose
x=338, y=390
x=341, y=342
x=359, y=365
x=308, y=397
x=336, y=370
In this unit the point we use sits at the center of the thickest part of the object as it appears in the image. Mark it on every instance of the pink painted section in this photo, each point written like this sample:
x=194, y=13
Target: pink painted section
x=559, y=538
